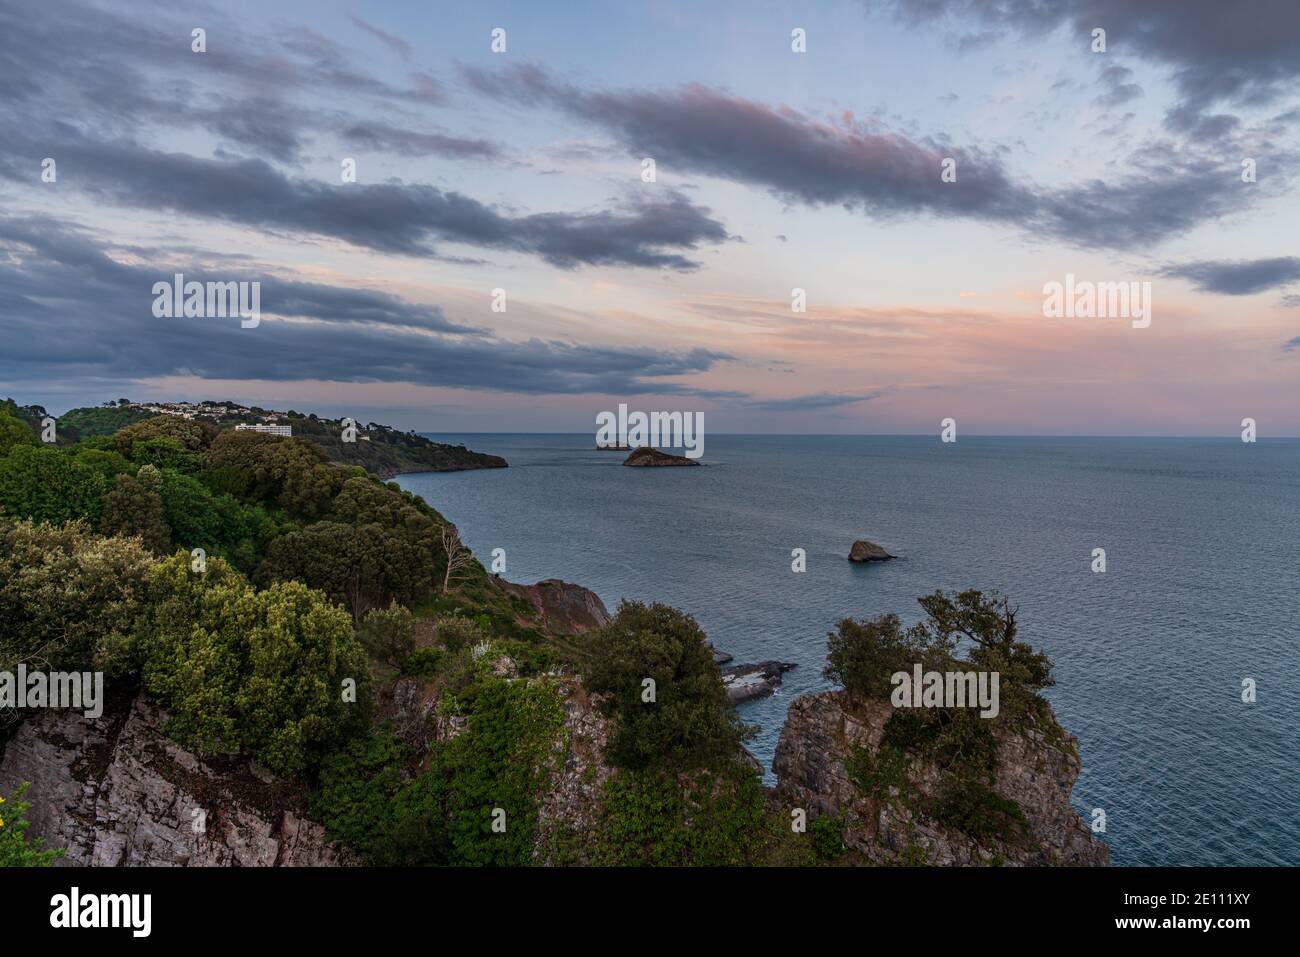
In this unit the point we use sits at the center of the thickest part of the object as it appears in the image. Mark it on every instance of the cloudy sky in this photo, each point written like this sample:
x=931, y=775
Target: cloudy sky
x=774, y=170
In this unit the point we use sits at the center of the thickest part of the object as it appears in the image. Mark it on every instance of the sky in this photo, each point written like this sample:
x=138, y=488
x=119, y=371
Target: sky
x=776, y=169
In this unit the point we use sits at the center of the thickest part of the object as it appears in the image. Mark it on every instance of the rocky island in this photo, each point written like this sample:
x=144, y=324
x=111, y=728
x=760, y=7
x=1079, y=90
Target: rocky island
x=652, y=458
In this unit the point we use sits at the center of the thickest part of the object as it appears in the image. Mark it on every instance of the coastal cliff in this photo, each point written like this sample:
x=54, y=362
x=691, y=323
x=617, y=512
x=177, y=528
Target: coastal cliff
x=886, y=822
x=115, y=791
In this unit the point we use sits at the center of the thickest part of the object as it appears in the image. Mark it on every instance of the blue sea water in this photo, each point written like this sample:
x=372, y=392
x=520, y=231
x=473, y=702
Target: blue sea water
x=1202, y=538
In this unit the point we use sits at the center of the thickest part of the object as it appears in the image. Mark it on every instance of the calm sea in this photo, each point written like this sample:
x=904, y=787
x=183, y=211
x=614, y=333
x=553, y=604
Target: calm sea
x=1202, y=588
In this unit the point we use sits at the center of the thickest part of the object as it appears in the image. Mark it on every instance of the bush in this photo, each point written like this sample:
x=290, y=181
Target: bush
x=689, y=724
x=355, y=799
x=702, y=819
x=456, y=632
x=827, y=835
x=14, y=432
x=387, y=635
x=242, y=671
x=68, y=599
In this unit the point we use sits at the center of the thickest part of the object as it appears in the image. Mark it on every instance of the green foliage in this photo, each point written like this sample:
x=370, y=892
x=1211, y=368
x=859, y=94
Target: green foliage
x=876, y=773
x=387, y=634
x=100, y=420
x=104, y=461
x=690, y=723
x=282, y=472
x=827, y=835
x=15, y=850
x=165, y=452
x=68, y=599
x=131, y=509
x=702, y=818
x=456, y=632
x=978, y=811
x=14, y=432
x=424, y=662
x=862, y=655
x=49, y=485
x=191, y=434
x=499, y=761
x=445, y=815
x=362, y=567
x=355, y=800
x=260, y=673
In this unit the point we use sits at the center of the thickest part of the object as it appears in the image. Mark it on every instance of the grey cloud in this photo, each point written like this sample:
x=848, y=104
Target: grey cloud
x=69, y=310
x=389, y=217
x=1119, y=88
x=396, y=44
x=384, y=137
x=1238, y=277
x=1168, y=188
x=271, y=95
x=819, y=400
x=1247, y=51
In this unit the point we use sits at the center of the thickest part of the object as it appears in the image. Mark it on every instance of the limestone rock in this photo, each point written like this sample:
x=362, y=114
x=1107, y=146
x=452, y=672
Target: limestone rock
x=115, y=791
x=820, y=730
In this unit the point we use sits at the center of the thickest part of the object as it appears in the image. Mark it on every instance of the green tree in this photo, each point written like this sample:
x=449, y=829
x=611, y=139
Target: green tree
x=165, y=452
x=68, y=599
x=14, y=432
x=363, y=567
x=192, y=434
x=263, y=673
x=387, y=634
x=49, y=485
x=689, y=723
x=131, y=509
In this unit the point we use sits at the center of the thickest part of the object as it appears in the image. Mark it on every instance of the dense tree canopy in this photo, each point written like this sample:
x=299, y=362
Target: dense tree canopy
x=264, y=673
x=689, y=723
x=68, y=599
x=50, y=485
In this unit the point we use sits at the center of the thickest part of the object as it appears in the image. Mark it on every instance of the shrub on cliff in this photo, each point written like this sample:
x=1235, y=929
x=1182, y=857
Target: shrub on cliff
x=660, y=818
x=683, y=719
x=68, y=599
x=970, y=631
x=262, y=673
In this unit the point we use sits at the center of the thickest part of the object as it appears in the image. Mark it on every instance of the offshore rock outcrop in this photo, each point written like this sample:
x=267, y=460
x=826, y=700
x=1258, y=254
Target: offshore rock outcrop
x=646, y=457
x=817, y=741
x=749, y=682
x=865, y=551
x=115, y=791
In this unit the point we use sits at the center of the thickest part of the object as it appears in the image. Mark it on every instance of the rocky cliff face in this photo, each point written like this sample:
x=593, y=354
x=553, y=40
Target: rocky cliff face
x=563, y=608
x=818, y=737
x=115, y=791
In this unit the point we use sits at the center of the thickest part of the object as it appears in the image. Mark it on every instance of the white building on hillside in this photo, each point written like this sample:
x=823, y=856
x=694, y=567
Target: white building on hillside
x=268, y=429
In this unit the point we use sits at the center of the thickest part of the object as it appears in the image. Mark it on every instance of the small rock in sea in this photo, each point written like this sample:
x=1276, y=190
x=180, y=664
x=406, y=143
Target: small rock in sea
x=865, y=551
x=646, y=456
